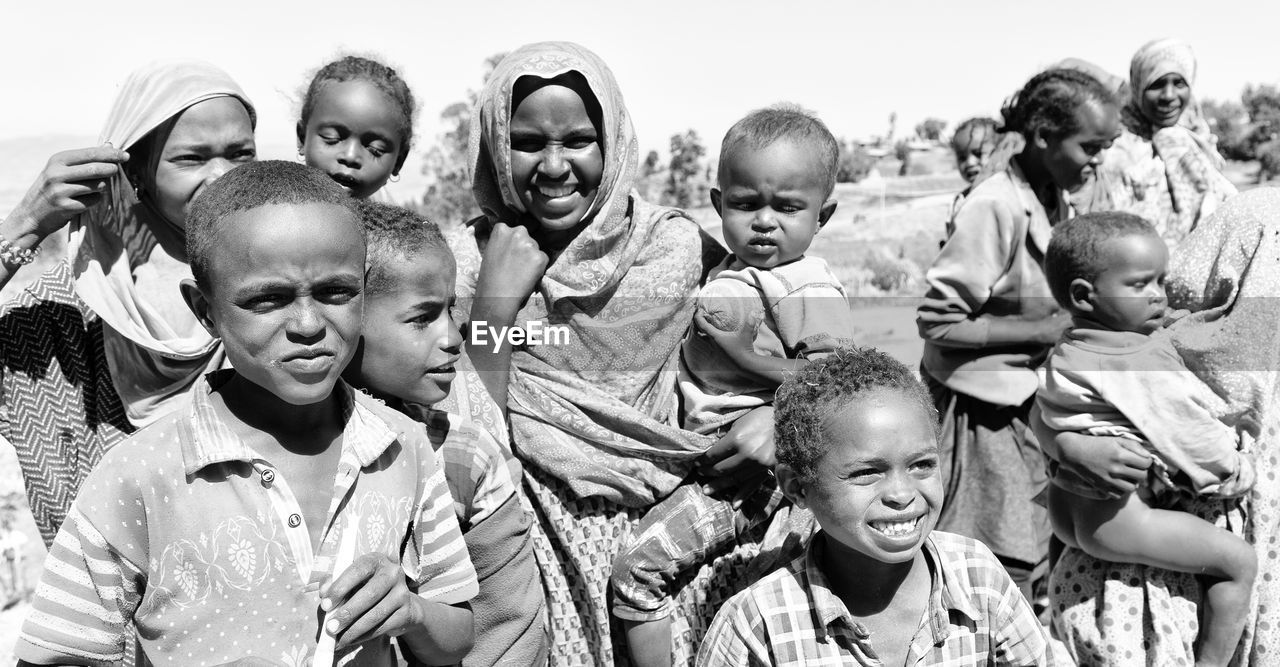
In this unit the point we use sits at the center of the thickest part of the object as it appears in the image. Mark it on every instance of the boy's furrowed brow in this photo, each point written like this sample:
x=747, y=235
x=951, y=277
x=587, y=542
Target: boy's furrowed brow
x=264, y=286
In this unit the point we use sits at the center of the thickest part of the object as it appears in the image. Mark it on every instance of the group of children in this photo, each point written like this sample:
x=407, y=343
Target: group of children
x=312, y=500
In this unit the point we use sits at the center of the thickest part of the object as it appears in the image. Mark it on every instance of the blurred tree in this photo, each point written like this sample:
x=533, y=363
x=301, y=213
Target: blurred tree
x=1268, y=160
x=1262, y=103
x=448, y=201
x=650, y=183
x=902, y=151
x=854, y=163
x=686, y=185
x=652, y=164
x=931, y=129
x=1230, y=124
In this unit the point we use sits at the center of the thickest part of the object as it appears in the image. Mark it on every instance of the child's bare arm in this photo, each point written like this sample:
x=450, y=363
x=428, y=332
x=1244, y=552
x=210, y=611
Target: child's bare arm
x=740, y=346
x=372, y=598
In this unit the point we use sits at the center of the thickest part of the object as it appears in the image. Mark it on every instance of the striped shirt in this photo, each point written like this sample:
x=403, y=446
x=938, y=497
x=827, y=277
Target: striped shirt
x=198, y=540
x=975, y=616
x=480, y=473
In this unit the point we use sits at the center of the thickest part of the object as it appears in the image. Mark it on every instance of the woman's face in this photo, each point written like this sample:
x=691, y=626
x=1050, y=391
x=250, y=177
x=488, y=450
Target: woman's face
x=556, y=158
x=1072, y=159
x=210, y=138
x=1165, y=99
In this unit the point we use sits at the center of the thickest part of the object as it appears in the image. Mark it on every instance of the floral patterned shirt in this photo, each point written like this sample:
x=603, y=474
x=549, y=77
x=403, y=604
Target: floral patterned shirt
x=199, y=541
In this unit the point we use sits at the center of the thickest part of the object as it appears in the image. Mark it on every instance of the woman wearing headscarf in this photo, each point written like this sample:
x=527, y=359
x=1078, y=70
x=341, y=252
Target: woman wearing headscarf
x=565, y=241
x=102, y=344
x=1165, y=167
x=1227, y=273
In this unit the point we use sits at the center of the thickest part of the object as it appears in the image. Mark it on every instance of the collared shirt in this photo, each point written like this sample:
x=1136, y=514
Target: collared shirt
x=975, y=616
x=991, y=266
x=200, y=542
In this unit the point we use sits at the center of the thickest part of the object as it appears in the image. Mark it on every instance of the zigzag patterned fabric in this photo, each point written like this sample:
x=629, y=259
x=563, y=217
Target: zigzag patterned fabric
x=57, y=403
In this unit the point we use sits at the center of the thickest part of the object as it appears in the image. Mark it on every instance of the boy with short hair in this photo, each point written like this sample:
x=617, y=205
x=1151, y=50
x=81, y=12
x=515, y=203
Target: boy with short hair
x=275, y=513
x=1116, y=373
x=764, y=312
x=407, y=358
x=856, y=438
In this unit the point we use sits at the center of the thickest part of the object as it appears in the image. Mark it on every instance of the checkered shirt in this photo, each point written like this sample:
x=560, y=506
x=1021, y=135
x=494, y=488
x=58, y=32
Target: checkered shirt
x=975, y=616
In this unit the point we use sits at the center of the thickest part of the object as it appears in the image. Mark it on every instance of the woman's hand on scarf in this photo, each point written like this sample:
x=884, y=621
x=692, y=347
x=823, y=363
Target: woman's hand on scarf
x=512, y=265
x=1112, y=466
x=71, y=183
x=743, y=459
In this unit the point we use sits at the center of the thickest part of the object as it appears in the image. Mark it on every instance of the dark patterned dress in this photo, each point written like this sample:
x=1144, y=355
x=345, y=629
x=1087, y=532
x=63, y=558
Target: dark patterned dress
x=58, y=406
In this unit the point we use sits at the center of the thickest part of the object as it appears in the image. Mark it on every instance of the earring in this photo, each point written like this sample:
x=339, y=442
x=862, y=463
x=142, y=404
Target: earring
x=301, y=157
x=395, y=178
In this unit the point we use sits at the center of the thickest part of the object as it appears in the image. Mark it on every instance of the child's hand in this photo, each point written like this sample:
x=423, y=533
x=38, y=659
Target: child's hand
x=741, y=460
x=71, y=182
x=370, y=599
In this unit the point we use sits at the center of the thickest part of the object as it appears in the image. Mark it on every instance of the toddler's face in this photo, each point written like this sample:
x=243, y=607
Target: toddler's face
x=1129, y=295
x=556, y=160
x=878, y=488
x=286, y=297
x=773, y=201
x=411, y=343
x=354, y=135
x=210, y=138
x=972, y=147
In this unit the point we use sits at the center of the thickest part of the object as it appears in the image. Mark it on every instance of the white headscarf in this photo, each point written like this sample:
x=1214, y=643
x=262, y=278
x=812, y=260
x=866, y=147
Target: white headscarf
x=152, y=357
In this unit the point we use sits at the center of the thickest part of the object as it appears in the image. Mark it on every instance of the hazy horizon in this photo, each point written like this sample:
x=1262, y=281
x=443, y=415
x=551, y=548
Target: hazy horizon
x=680, y=64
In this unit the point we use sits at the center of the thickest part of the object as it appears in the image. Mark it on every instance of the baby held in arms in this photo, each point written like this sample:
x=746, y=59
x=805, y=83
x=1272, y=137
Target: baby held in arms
x=1116, y=373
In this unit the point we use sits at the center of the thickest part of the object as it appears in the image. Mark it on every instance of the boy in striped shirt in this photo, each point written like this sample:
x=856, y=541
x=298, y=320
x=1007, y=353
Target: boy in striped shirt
x=408, y=357
x=278, y=511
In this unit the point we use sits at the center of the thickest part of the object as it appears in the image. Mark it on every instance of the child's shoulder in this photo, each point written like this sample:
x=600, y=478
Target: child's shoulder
x=968, y=562
x=164, y=440
x=459, y=441
x=396, y=421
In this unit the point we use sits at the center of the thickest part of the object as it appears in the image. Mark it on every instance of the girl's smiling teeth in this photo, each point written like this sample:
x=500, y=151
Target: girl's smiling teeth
x=896, y=528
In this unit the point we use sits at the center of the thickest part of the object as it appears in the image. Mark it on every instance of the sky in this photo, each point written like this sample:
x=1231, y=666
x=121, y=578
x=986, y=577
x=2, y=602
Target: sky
x=681, y=63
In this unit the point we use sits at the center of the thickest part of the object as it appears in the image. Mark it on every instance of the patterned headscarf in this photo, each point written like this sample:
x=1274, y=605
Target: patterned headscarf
x=150, y=361
x=1159, y=58
x=597, y=411
x=490, y=142
x=1156, y=59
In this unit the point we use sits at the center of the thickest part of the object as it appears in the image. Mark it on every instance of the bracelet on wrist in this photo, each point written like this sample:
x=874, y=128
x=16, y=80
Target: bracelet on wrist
x=14, y=256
